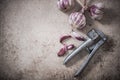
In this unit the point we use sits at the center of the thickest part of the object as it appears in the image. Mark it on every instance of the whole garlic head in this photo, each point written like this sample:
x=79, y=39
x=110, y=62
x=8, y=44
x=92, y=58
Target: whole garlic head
x=77, y=20
x=96, y=12
x=65, y=5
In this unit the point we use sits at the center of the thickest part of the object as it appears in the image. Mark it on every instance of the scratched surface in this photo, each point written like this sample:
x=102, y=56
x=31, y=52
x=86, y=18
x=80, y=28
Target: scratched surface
x=29, y=42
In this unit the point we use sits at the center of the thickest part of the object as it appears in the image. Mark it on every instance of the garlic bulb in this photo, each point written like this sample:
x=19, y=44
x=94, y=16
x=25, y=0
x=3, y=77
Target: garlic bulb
x=77, y=20
x=96, y=12
x=65, y=5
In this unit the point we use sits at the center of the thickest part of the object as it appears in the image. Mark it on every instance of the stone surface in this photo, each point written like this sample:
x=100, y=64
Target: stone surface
x=29, y=42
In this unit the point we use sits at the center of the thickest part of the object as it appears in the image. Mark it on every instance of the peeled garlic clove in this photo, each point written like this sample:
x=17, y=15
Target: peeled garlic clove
x=77, y=20
x=65, y=4
x=96, y=12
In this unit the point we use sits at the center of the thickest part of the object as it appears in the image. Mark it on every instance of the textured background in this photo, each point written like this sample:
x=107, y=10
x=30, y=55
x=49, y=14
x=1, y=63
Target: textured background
x=29, y=41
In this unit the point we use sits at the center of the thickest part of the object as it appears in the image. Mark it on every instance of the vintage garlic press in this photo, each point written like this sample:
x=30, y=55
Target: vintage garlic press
x=95, y=39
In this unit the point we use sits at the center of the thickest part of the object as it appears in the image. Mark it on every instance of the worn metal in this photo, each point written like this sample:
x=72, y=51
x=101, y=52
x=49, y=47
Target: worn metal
x=95, y=39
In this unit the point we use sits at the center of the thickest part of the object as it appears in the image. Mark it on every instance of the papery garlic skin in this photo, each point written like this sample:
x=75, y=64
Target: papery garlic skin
x=99, y=5
x=96, y=12
x=77, y=20
x=65, y=5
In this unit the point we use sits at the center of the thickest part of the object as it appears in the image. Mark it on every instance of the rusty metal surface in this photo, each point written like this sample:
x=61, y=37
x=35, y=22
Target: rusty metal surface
x=29, y=41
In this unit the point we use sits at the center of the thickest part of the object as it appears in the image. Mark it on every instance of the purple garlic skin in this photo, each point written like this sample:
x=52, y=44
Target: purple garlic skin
x=77, y=20
x=96, y=12
x=78, y=37
x=65, y=5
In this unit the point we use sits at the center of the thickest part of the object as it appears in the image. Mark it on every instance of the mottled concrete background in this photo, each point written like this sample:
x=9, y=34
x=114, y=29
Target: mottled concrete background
x=29, y=41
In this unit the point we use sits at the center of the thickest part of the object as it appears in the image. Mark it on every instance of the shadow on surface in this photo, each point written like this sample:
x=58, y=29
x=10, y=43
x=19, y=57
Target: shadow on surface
x=97, y=58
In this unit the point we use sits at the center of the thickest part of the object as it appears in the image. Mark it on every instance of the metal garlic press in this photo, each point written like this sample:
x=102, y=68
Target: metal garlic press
x=94, y=41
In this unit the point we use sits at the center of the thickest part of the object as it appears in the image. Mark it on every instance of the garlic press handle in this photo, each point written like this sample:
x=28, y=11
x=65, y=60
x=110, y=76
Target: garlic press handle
x=86, y=43
x=89, y=57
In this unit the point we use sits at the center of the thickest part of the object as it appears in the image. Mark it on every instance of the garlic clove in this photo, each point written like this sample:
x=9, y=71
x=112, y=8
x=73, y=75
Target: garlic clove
x=61, y=52
x=70, y=47
x=96, y=12
x=77, y=20
x=64, y=38
x=78, y=37
x=65, y=48
x=65, y=5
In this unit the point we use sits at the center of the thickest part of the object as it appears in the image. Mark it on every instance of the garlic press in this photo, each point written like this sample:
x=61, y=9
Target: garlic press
x=95, y=40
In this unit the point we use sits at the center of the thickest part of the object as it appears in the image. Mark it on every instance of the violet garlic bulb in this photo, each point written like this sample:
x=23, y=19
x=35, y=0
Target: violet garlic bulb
x=77, y=20
x=65, y=5
x=96, y=12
